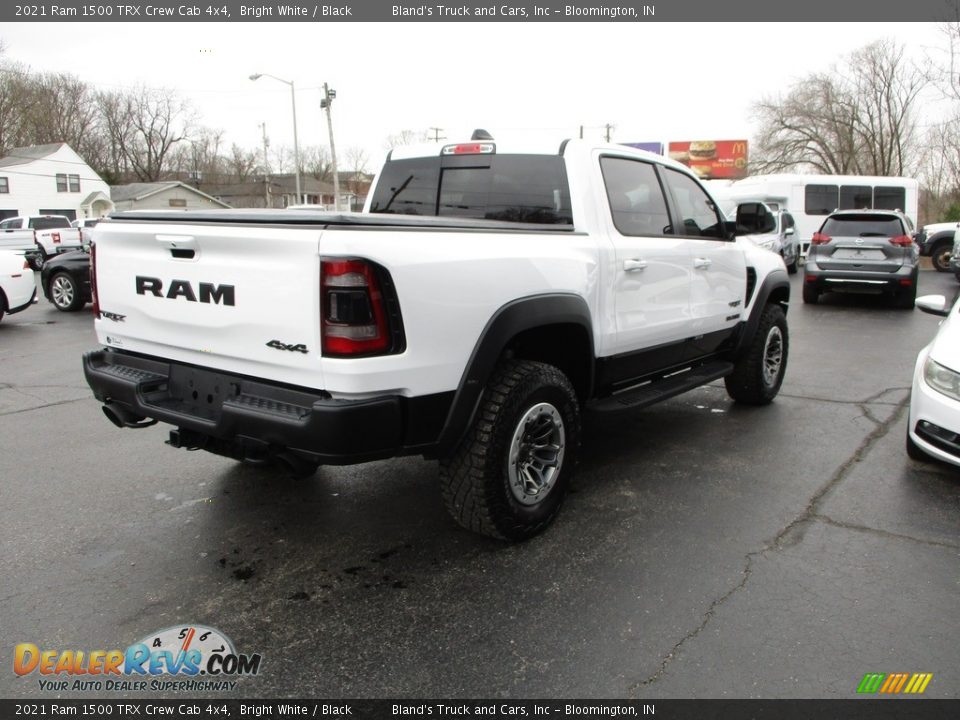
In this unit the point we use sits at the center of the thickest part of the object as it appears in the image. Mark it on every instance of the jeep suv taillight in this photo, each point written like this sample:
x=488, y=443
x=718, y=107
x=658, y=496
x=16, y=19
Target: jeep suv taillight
x=902, y=241
x=358, y=317
x=820, y=239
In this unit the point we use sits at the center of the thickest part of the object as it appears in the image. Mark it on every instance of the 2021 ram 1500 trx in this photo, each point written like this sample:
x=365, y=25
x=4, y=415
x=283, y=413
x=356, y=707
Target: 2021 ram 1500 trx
x=485, y=297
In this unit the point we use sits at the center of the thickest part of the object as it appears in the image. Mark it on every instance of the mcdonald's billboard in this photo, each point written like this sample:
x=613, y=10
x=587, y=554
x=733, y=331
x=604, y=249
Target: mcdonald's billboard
x=712, y=159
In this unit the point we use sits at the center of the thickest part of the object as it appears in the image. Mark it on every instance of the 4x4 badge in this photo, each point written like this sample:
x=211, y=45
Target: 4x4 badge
x=277, y=345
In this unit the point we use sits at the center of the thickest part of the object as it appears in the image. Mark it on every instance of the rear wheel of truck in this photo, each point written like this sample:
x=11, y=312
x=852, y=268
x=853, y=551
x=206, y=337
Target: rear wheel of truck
x=508, y=477
x=758, y=374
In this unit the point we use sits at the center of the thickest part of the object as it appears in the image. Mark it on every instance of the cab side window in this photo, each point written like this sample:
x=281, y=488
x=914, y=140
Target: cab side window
x=636, y=198
x=699, y=214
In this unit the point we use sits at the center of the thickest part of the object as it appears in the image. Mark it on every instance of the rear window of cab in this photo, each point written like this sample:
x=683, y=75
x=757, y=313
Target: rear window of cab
x=515, y=188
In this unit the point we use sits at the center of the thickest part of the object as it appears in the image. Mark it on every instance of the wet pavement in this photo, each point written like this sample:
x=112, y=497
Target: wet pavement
x=707, y=550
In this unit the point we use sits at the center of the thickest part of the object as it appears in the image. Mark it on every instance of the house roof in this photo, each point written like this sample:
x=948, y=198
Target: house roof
x=24, y=155
x=139, y=191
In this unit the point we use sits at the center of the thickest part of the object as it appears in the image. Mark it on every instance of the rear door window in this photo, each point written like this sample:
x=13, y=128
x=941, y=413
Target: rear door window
x=49, y=223
x=636, y=199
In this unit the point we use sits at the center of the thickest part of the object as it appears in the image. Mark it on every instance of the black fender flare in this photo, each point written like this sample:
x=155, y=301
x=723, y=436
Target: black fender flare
x=510, y=320
x=776, y=284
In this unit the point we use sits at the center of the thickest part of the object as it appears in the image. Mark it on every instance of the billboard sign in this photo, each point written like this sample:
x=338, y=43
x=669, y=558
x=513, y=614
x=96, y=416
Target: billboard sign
x=712, y=159
x=653, y=147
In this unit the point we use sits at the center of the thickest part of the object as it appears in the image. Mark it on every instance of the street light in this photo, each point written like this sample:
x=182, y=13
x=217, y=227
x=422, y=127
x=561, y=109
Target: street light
x=296, y=144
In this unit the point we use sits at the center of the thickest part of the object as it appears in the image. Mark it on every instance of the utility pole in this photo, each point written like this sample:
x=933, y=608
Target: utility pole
x=608, y=129
x=436, y=134
x=328, y=95
x=581, y=132
x=266, y=165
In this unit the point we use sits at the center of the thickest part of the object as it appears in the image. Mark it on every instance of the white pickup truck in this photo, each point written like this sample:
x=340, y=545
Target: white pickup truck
x=486, y=296
x=42, y=236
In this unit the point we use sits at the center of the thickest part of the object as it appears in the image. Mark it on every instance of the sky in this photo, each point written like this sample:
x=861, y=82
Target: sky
x=652, y=82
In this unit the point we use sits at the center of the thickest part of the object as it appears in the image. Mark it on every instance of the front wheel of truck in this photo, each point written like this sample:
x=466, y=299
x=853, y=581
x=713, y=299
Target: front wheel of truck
x=758, y=373
x=508, y=477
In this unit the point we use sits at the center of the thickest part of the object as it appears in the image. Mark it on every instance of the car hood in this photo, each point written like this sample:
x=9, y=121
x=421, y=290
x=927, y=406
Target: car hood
x=945, y=349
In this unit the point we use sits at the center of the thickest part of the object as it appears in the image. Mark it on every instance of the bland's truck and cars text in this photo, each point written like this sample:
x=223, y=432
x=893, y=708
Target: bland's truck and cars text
x=485, y=297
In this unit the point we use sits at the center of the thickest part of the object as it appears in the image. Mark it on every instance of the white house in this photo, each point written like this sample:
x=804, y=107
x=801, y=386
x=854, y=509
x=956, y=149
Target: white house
x=51, y=180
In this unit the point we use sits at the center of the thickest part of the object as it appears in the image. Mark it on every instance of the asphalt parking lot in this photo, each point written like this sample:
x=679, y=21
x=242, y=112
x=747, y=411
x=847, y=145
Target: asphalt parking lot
x=707, y=550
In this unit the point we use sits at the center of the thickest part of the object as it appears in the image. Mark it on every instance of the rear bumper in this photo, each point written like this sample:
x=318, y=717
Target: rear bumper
x=251, y=419
x=859, y=281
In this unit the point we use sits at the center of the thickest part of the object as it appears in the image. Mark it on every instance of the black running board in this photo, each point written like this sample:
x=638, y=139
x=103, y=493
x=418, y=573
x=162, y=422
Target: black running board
x=656, y=389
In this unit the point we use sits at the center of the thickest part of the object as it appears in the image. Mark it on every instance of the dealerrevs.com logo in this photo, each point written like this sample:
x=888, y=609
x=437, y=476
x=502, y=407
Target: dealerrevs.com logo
x=184, y=657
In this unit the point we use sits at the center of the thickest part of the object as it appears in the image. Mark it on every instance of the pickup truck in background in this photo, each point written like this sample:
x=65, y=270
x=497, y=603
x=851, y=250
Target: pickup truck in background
x=40, y=236
x=485, y=298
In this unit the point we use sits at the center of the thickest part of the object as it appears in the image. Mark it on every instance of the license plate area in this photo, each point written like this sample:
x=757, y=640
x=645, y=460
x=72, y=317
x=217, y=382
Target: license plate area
x=198, y=393
x=859, y=254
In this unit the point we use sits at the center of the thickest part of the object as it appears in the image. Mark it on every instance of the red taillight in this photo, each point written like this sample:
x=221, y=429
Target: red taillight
x=353, y=316
x=902, y=241
x=55, y=237
x=94, y=295
x=26, y=265
x=819, y=239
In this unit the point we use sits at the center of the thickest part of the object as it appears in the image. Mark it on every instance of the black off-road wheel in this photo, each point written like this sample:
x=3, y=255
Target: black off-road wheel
x=508, y=477
x=758, y=374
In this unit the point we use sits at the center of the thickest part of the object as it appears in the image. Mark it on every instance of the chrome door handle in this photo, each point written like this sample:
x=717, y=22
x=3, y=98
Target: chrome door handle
x=702, y=263
x=634, y=265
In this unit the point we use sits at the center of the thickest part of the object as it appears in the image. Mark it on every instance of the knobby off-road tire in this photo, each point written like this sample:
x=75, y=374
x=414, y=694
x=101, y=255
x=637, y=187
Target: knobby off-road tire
x=508, y=477
x=758, y=374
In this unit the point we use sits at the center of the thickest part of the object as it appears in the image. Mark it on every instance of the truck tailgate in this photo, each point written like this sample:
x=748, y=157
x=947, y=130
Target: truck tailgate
x=243, y=299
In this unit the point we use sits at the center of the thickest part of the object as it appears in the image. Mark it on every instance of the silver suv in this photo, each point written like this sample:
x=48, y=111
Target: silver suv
x=864, y=251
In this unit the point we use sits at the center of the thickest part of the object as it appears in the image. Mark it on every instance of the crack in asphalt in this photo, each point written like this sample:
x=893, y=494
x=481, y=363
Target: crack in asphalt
x=41, y=407
x=808, y=514
x=827, y=520
x=872, y=400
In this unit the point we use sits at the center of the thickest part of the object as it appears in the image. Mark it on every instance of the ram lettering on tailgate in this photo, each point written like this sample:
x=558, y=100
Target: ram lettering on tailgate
x=208, y=292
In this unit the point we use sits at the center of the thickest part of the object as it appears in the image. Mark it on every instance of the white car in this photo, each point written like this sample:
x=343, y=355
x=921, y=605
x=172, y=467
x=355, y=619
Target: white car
x=933, y=426
x=18, y=289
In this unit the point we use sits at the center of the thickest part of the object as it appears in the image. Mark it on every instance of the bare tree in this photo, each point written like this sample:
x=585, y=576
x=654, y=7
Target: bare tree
x=243, y=163
x=857, y=119
x=315, y=160
x=404, y=137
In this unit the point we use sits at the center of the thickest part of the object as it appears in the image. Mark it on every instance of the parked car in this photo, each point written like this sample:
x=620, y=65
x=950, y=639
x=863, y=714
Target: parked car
x=933, y=425
x=773, y=230
x=936, y=242
x=65, y=280
x=17, y=287
x=864, y=251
